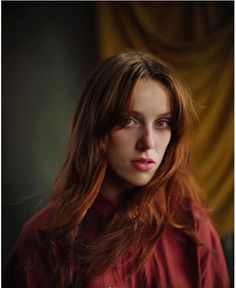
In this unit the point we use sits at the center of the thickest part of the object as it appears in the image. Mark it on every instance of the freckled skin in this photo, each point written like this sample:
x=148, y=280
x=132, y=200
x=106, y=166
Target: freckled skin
x=146, y=134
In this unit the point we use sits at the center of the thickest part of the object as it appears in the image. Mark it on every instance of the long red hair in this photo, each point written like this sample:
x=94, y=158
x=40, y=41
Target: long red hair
x=106, y=98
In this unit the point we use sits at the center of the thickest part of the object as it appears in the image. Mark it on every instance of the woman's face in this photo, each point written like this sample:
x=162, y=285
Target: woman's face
x=136, y=150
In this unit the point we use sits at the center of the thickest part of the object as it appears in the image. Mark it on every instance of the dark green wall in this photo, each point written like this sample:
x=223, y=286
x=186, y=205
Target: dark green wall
x=48, y=50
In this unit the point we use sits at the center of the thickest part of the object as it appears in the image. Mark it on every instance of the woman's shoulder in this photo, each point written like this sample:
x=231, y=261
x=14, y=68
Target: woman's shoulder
x=197, y=223
x=25, y=263
x=204, y=227
x=202, y=242
x=40, y=221
x=211, y=256
x=34, y=229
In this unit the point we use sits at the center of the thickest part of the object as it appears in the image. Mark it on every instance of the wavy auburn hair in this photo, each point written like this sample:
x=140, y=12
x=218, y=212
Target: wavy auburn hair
x=75, y=257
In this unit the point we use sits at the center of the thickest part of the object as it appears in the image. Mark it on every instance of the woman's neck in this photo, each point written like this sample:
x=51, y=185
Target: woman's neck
x=114, y=188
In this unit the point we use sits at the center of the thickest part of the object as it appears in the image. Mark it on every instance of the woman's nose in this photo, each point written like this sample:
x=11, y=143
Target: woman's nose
x=145, y=141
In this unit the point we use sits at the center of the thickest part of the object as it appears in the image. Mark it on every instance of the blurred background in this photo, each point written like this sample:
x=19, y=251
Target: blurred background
x=48, y=52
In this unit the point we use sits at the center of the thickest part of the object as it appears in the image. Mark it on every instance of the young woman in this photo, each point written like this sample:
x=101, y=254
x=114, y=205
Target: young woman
x=125, y=210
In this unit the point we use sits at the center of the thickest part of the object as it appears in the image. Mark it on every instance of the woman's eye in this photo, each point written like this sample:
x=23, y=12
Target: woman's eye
x=130, y=122
x=164, y=123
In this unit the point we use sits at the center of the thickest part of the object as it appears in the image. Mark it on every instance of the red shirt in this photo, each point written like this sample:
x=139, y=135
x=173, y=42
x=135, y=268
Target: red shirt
x=176, y=262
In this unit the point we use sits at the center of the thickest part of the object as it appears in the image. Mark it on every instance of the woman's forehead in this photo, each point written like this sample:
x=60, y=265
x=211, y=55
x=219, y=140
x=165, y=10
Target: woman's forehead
x=151, y=95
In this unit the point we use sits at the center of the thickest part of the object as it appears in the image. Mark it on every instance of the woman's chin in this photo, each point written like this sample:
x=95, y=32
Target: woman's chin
x=139, y=181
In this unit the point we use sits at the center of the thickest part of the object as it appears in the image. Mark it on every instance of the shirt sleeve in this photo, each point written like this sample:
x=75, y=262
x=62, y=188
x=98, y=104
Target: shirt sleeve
x=213, y=267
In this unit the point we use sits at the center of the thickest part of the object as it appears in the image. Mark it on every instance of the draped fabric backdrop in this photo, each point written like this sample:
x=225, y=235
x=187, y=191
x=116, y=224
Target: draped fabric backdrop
x=197, y=39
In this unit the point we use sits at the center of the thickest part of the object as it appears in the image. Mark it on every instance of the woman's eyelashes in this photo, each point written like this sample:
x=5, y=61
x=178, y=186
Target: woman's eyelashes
x=163, y=123
x=158, y=124
x=130, y=122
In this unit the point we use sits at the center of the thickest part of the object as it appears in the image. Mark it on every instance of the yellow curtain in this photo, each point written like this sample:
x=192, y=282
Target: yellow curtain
x=197, y=39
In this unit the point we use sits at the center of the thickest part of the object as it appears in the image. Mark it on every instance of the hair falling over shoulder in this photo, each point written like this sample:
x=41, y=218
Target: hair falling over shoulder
x=106, y=98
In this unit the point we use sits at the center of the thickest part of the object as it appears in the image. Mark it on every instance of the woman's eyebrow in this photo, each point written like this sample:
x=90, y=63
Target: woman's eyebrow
x=167, y=114
x=138, y=114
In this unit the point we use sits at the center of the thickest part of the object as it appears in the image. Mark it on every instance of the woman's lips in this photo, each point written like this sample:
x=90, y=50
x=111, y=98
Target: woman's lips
x=143, y=164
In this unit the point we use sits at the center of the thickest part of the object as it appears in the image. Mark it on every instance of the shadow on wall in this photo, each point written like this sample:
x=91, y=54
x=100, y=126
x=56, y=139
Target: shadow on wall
x=228, y=246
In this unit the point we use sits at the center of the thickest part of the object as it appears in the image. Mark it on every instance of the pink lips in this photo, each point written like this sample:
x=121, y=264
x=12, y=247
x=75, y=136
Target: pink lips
x=143, y=164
